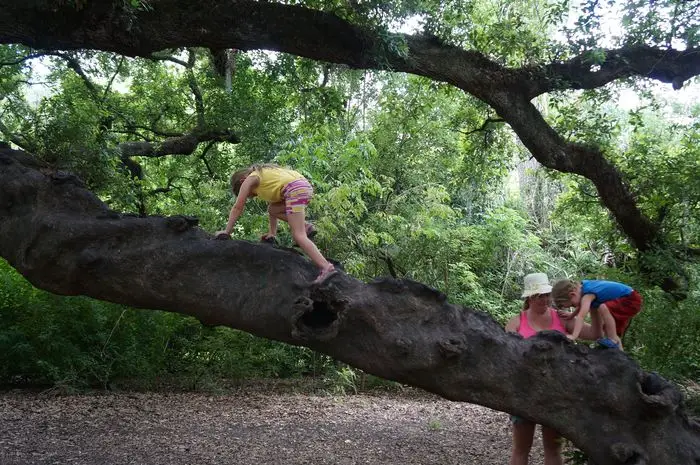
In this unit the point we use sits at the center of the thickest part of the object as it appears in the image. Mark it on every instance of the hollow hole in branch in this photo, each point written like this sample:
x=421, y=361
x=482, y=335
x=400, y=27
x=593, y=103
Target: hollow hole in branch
x=652, y=384
x=321, y=315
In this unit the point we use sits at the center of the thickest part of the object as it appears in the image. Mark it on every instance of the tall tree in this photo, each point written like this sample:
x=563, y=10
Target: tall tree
x=65, y=240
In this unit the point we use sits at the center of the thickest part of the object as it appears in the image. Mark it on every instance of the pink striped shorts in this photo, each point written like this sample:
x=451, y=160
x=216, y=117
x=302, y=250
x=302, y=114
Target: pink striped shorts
x=297, y=195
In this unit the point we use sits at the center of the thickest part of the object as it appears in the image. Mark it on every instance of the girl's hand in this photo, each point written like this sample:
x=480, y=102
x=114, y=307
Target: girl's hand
x=268, y=239
x=222, y=235
x=571, y=337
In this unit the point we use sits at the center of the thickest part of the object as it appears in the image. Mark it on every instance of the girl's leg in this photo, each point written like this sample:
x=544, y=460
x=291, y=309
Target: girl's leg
x=278, y=210
x=551, y=443
x=523, y=432
x=297, y=224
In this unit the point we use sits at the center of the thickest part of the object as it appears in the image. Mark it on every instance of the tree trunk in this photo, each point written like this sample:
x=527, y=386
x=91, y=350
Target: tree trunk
x=63, y=239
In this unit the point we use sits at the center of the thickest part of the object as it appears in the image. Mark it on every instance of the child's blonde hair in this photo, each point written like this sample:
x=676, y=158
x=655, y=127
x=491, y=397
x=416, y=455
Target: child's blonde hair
x=561, y=291
x=239, y=176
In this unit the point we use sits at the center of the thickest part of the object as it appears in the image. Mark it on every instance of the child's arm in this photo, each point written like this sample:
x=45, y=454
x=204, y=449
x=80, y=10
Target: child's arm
x=513, y=324
x=566, y=315
x=238, y=207
x=581, y=312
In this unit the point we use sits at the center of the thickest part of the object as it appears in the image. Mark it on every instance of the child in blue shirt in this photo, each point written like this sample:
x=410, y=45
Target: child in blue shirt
x=611, y=304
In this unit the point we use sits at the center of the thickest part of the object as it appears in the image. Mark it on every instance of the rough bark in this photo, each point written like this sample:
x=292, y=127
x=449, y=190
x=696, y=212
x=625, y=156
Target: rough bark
x=247, y=24
x=63, y=239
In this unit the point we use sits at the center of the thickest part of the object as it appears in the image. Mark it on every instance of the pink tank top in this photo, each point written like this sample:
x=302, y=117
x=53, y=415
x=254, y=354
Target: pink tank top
x=526, y=331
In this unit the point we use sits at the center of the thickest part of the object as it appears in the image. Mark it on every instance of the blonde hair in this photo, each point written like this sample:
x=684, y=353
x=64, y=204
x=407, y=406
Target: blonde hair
x=239, y=176
x=561, y=291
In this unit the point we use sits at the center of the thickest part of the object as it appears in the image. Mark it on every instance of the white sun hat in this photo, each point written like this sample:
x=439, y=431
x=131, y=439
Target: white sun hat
x=536, y=283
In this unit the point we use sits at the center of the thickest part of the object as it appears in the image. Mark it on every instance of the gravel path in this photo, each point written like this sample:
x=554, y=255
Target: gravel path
x=254, y=425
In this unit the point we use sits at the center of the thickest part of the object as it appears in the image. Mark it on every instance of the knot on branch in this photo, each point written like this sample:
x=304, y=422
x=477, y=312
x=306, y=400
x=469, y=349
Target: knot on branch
x=403, y=346
x=61, y=178
x=316, y=319
x=659, y=393
x=181, y=223
x=549, y=338
x=628, y=454
x=543, y=345
x=403, y=286
x=89, y=259
x=451, y=348
x=540, y=346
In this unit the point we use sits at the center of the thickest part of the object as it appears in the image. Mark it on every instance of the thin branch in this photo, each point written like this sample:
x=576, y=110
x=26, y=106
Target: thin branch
x=169, y=186
x=111, y=80
x=25, y=58
x=72, y=62
x=483, y=127
x=203, y=157
x=169, y=58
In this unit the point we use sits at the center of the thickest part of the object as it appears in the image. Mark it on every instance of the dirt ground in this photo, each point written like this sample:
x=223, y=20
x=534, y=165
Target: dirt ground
x=258, y=424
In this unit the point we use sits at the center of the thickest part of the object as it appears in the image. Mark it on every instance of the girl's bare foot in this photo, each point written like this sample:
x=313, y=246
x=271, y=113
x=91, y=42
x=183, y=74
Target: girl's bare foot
x=326, y=273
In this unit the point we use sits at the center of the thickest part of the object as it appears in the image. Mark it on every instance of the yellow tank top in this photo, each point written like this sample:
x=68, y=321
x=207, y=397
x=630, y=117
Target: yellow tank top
x=272, y=181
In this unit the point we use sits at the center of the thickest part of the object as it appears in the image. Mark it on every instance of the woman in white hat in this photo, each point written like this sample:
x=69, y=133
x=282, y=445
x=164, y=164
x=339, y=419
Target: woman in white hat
x=537, y=315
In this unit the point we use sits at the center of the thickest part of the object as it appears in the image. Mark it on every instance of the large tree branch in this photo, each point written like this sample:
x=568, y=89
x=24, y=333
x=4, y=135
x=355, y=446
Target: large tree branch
x=247, y=24
x=65, y=240
x=182, y=145
x=583, y=72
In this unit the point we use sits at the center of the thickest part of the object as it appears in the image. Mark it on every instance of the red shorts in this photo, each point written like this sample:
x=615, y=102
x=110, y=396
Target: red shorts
x=623, y=309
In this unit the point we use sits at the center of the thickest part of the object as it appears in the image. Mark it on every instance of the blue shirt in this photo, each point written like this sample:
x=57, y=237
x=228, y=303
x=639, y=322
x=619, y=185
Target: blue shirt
x=604, y=291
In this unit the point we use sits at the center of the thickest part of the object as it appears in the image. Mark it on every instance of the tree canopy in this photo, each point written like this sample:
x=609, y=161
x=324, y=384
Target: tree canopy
x=455, y=47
